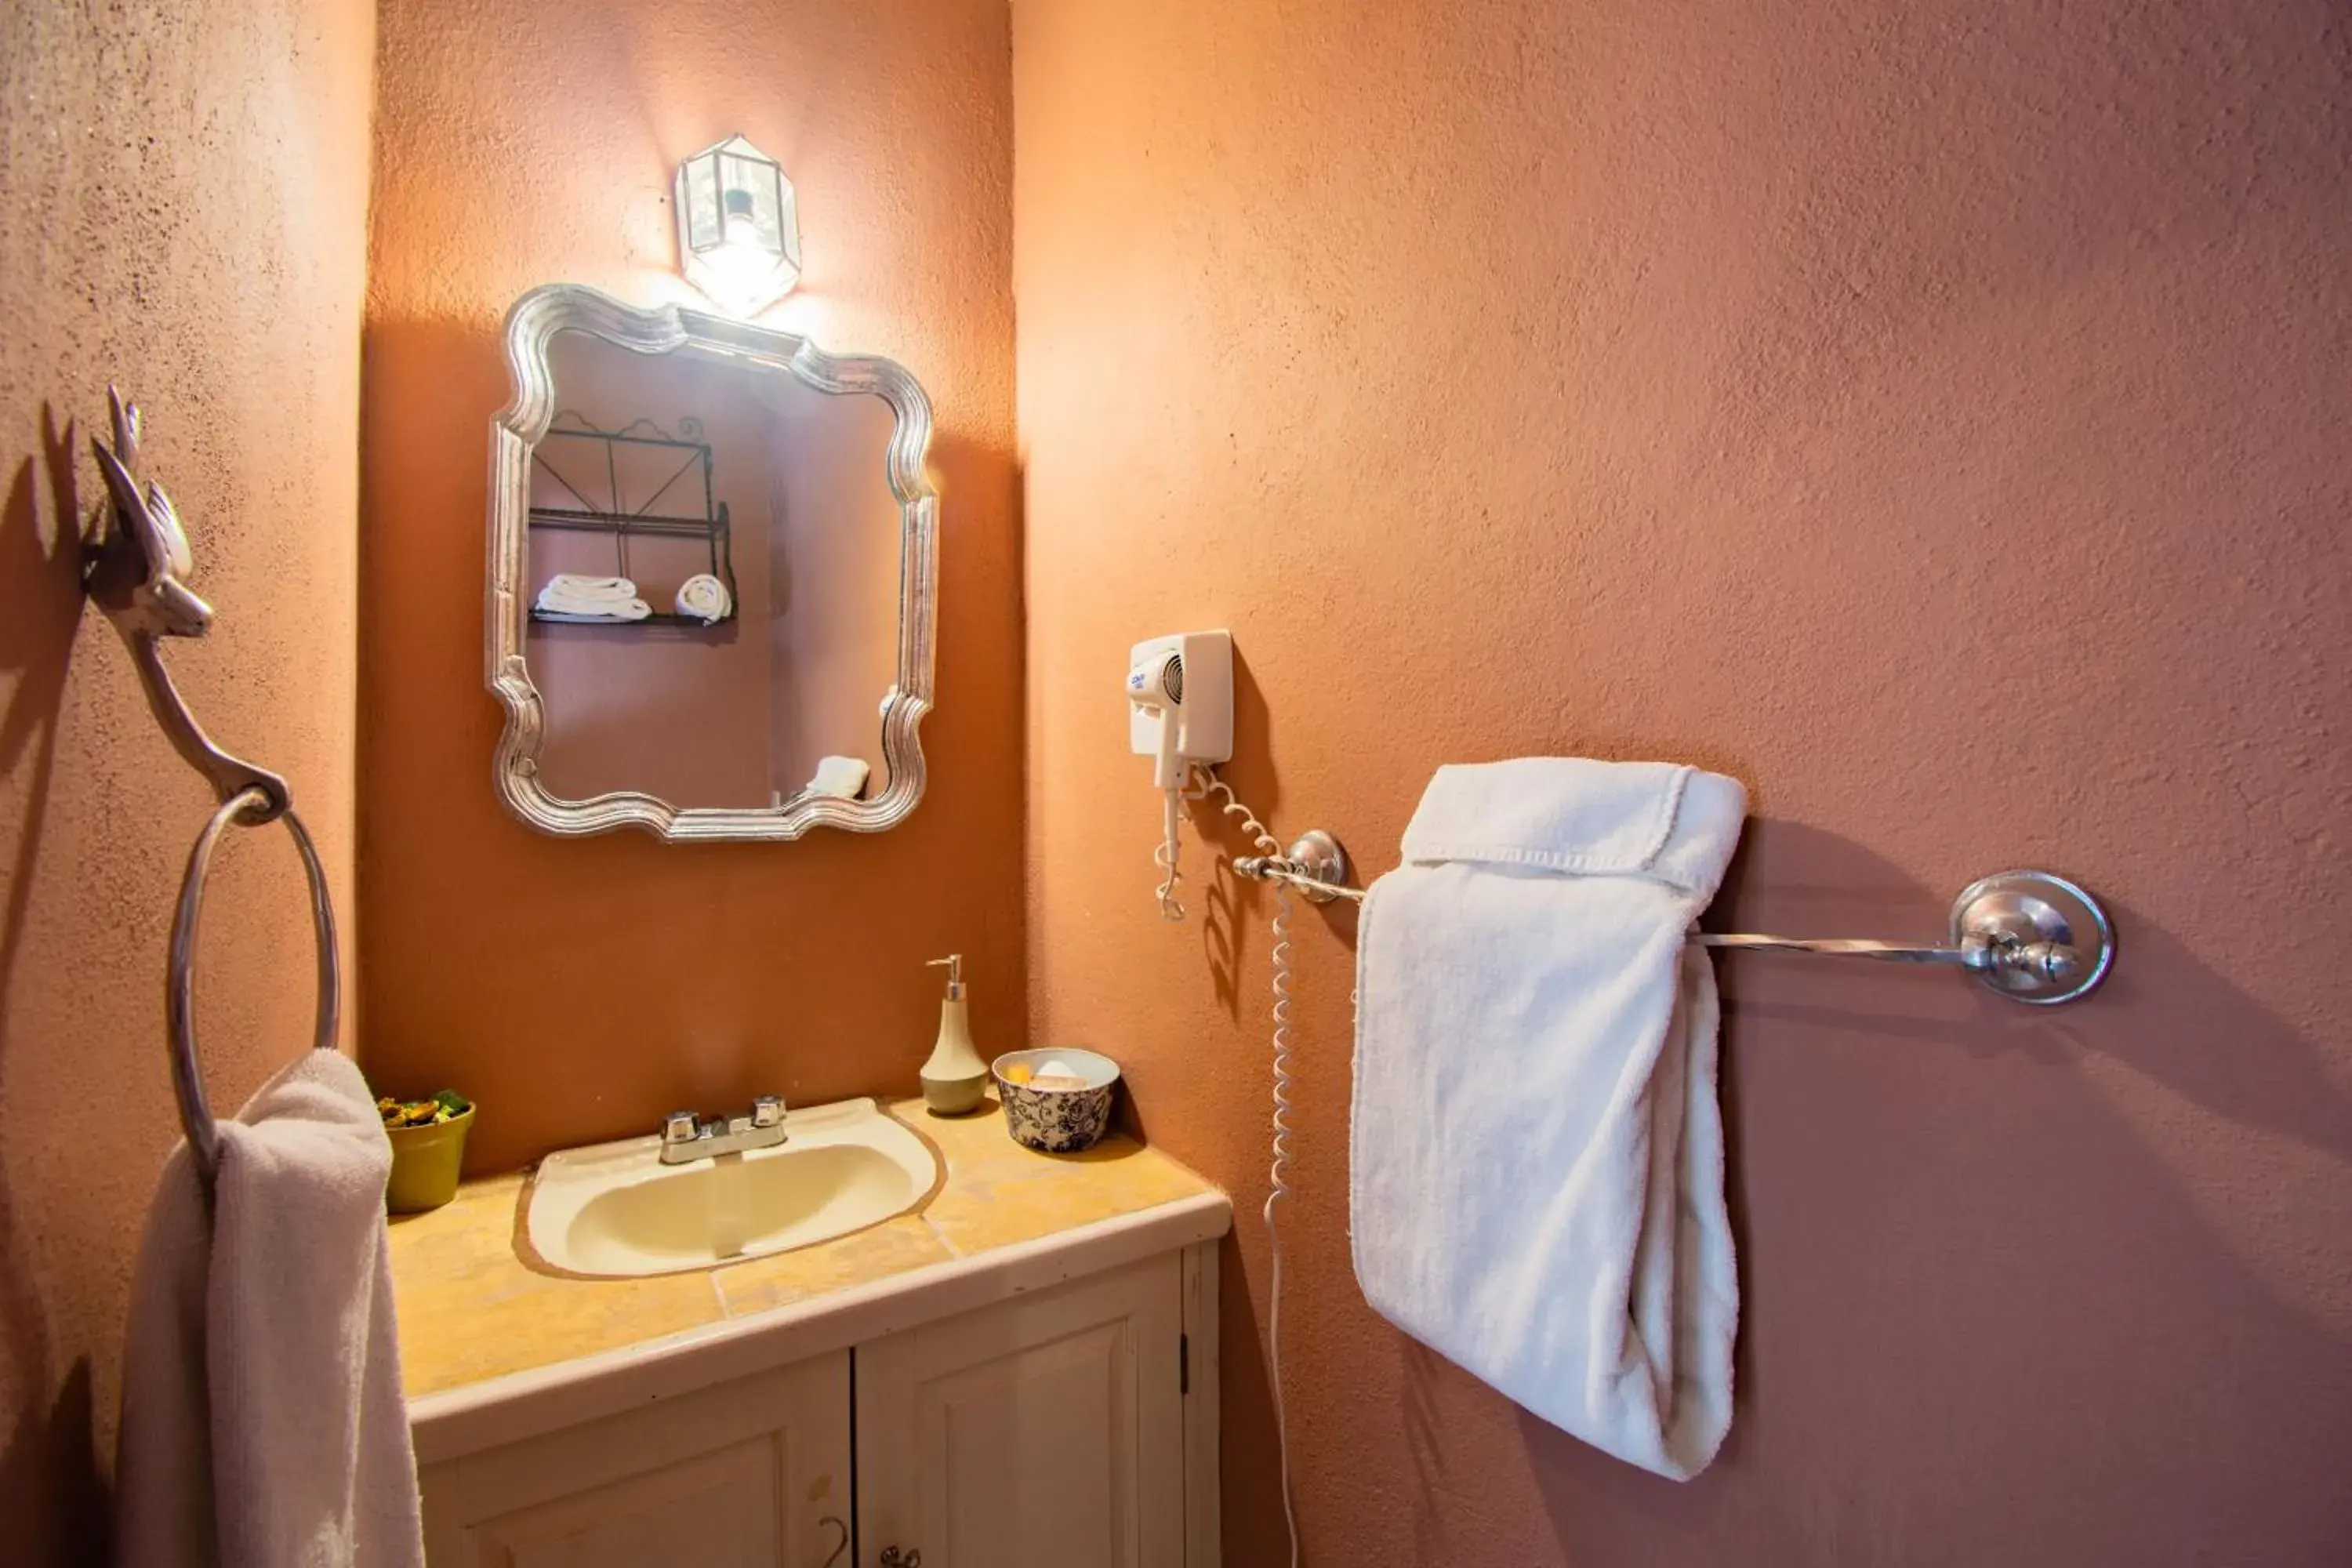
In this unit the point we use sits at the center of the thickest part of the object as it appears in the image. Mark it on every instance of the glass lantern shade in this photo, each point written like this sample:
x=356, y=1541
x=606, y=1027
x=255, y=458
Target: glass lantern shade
x=739, y=233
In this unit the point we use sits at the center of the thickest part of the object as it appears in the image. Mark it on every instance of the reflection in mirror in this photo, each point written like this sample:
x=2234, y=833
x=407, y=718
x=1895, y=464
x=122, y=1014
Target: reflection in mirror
x=770, y=495
x=718, y=562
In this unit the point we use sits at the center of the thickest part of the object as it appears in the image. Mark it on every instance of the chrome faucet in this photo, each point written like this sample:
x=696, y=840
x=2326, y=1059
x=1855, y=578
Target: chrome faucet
x=685, y=1136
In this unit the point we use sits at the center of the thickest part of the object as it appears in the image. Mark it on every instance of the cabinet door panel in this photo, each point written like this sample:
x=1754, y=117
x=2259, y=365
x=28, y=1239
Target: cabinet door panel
x=715, y=1510
x=1048, y=1429
x=739, y=1476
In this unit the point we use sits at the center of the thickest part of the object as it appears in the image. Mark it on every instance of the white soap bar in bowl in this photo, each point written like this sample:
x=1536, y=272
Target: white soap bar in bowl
x=1058, y=1099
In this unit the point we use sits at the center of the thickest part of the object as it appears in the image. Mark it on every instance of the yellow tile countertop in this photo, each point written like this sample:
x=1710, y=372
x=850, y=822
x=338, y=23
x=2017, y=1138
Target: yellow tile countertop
x=474, y=1316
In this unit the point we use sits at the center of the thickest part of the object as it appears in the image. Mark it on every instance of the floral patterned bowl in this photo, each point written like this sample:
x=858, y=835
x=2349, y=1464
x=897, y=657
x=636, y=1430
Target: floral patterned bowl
x=1057, y=1121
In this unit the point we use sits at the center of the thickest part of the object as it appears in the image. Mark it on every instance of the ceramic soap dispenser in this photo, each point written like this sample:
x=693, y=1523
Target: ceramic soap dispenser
x=955, y=1078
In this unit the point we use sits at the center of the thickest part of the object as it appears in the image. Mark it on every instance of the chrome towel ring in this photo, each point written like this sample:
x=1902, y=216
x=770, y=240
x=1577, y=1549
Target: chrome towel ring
x=248, y=807
x=134, y=570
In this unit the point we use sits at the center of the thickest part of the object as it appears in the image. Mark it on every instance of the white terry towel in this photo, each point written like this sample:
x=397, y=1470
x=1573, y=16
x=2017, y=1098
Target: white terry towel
x=605, y=598
x=262, y=1419
x=1537, y=1160
x=579, y=587
x=704, y=597
x=844, y=776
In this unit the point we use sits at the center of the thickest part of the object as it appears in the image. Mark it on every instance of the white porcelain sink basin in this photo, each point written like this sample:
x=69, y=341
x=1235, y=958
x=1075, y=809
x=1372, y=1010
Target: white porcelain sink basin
x=614, y=1209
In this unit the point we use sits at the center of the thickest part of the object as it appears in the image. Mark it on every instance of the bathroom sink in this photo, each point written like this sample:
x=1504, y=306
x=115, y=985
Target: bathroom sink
x=614, y=1209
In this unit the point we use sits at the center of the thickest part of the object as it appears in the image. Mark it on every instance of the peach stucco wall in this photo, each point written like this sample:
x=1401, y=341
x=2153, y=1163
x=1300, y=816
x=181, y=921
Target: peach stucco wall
x=1934, y=415
x=580, y=988
x=183, y=184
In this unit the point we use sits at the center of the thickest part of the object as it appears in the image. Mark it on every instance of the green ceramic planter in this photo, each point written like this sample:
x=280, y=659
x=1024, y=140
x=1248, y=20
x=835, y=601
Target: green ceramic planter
x=425, y=1163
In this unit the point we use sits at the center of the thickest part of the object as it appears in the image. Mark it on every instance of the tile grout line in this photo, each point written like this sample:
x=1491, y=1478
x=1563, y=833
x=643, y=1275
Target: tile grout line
x=954, y=1252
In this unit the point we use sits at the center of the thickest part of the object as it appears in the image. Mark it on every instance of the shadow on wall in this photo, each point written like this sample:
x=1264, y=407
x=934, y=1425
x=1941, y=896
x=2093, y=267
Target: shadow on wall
x=52, y=1501
x=1236, y=918
x=1252, y=779
x=1986, y=1203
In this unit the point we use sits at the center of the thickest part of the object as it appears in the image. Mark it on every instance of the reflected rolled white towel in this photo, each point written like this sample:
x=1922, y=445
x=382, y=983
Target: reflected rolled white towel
x=844, y=776
x=704, y=598
x=591, y=598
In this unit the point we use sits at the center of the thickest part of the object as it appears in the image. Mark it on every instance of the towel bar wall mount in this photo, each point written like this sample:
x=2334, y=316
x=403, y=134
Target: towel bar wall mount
x=2030, y=936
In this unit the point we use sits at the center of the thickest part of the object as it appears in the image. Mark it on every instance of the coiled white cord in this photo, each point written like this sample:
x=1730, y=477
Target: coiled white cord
x=1165, y=859
x=1203, y=785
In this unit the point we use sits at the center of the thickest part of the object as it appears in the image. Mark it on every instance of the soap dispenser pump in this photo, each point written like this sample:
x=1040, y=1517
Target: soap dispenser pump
x=955, y=1078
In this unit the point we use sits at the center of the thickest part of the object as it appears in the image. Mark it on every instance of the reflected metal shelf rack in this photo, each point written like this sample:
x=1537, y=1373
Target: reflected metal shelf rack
x=645, y=442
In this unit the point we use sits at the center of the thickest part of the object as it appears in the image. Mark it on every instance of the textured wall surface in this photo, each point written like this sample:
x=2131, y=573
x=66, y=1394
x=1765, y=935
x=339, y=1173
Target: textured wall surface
x=580, y=988
x=184, y=183
x=1933, y=415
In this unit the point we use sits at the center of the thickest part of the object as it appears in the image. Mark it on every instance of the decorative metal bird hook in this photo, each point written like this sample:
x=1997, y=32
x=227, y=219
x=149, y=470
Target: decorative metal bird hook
x=133, y=569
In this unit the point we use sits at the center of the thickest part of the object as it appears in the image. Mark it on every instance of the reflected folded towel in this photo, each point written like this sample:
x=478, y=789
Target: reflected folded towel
x=704, y=598
x=1537, y=1164
x=597, y=598
x=844, y=776
x=573, y=585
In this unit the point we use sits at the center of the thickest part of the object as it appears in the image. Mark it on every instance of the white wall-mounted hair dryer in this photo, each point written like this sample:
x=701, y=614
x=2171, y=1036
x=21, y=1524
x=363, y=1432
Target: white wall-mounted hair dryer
x=1180, y=693
x=1180, y=711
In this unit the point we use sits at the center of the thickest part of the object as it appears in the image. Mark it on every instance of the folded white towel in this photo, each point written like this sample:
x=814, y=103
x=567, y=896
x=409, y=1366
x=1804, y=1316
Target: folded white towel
x=572, y=585
x=1537, y=1161
x=839, y=775
x=591, y=598
x=262, y=1419
x=704, y=598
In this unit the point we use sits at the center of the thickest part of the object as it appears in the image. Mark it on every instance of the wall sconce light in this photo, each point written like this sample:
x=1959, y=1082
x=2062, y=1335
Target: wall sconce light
x=739, y=231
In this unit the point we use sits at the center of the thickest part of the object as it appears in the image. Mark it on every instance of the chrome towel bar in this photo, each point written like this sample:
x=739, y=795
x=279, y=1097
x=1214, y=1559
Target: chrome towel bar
x=2032, y=936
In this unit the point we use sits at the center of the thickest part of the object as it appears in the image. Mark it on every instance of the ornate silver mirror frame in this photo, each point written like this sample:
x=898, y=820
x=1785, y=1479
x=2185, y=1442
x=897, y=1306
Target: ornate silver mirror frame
x=536, y=318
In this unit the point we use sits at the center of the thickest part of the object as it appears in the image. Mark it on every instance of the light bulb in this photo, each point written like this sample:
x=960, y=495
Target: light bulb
x=742, y=272
x=740, y=229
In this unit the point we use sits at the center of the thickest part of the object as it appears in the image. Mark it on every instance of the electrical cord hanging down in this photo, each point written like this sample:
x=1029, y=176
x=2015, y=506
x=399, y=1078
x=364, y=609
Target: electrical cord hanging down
x=1165, y=858
x=1204, y=783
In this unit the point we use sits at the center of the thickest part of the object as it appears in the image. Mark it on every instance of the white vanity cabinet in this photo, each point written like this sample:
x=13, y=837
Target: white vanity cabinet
x=741, y=1475
x=1067, y=1427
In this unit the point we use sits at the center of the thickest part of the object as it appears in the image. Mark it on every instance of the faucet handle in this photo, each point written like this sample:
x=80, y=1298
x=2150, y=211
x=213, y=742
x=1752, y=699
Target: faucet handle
x=679, y=1127
x=768, y=1110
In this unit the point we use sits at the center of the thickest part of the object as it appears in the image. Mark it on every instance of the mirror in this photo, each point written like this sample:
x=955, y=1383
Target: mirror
x=713, y=577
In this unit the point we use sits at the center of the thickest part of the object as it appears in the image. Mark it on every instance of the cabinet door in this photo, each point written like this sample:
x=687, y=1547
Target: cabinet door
x=741, y=1476
x=1047, y=1429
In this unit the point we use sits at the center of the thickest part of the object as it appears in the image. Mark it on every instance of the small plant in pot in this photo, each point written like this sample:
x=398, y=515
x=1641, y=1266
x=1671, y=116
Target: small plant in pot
x=428, y=1145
